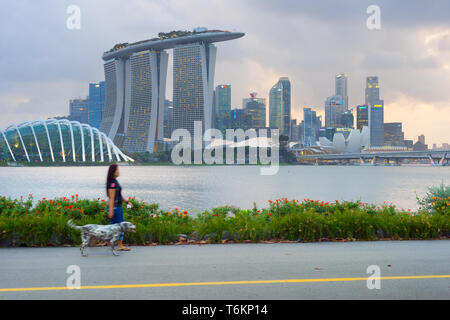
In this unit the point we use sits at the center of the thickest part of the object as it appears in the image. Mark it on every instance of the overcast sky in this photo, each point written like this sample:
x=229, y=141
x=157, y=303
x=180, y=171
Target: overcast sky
x=43, y=64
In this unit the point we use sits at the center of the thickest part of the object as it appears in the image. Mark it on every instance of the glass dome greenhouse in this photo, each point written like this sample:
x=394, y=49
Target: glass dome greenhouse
x=55, y=140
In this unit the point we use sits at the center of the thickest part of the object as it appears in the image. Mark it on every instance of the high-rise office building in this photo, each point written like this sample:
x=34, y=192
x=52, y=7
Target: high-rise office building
x=222, y=104
x=345, y=119
x=376, y=111
x=280, y=106
x=296, y=132
x=376, y=124
x=239, y=119
x=341, y=88
x=311, y=127
x=96, y=103
x=135, y=76
x=372, y=93
x=362, y=116
x=256, y=108
x=393, y=134
x=334, y=107
x=79, y=110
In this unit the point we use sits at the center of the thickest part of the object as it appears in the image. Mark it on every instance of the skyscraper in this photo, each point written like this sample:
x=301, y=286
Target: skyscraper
x=334, y=107
x=376, y=124
x=345, y=119
x=376, y=112
x=280, y=106
x=223, y=105
x=310, y=127
x=256, y=107
x=362, y=116
x=372, y=90
x=239, y=119
x=393, y=134
x=341, y=88
x=193, y=79
x=96, y=103
x=79, y=110
x=296, y=132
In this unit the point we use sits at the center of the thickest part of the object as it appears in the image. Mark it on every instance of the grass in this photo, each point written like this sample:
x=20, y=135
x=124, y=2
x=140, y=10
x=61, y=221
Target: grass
x=45, y=223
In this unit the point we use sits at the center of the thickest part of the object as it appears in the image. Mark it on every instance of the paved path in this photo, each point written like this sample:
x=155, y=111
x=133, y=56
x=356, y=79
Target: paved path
x=232, y=271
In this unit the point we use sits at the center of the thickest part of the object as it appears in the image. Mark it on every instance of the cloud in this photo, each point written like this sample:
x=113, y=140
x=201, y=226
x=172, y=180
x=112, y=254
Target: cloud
x=420, y=117
x=46, y=64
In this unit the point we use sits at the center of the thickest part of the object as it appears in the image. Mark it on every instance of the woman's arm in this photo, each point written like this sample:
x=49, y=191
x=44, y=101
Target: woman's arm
x=126, y=201
x=112, y=196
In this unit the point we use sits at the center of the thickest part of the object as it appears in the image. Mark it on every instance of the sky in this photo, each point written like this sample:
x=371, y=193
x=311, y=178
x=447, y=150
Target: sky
x=44, y=64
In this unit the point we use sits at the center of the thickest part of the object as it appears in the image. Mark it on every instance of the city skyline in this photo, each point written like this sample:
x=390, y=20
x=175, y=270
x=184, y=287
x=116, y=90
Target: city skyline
x=408, y=55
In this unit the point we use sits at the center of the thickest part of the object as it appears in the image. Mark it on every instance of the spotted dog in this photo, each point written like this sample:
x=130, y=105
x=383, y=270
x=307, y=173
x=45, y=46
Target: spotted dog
x=102, y=232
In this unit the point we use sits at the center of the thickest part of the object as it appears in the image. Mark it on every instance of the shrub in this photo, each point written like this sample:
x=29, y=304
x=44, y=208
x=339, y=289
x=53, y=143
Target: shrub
x=309, y=220
x=436, y=200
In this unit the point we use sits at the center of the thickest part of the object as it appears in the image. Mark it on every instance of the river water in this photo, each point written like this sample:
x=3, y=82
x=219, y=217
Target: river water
x=196, y=188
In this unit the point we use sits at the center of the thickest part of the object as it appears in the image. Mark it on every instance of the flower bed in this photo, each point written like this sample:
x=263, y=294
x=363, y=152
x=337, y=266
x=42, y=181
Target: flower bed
x=45, y=223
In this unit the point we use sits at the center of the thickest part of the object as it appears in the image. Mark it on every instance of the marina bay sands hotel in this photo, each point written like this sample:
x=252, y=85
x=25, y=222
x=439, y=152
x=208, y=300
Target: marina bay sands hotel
x=135, y=76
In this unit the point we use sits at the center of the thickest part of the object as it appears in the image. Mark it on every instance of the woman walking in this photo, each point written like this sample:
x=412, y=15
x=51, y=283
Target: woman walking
x=114, y=192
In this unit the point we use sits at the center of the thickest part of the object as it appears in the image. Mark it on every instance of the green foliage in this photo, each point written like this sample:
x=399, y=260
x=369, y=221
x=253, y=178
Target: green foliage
x=436, y=200
x=45, y=223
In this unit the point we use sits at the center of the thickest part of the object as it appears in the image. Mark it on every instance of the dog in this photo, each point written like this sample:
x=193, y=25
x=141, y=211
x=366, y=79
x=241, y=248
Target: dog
x=110, y=233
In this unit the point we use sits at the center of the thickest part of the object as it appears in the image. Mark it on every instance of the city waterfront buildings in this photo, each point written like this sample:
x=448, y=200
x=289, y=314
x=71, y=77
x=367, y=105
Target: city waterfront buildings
x=135, y=81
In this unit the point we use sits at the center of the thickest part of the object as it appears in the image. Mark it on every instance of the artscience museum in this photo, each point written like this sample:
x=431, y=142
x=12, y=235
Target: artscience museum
x=354, y=143
x=55, y=140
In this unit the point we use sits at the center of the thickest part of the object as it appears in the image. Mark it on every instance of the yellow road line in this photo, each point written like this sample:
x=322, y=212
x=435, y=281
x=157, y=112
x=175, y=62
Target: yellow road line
x=181, y=284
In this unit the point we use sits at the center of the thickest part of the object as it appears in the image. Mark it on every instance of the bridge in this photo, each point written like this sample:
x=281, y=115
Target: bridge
x=435, y=157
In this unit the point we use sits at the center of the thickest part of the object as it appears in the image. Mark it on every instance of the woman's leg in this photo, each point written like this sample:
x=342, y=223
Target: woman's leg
x=120, y=218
